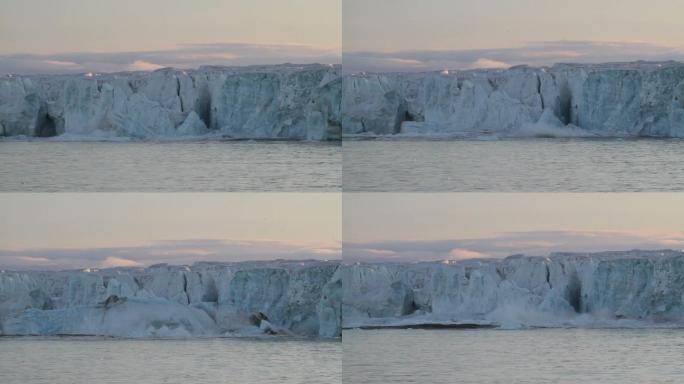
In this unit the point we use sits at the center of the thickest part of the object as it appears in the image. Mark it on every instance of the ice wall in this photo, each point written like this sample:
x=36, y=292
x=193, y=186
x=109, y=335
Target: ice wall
x=299, y=102
x=313, y=298
x=605, y=100
x=316, y=102
x=211, y=299
x=563, y=289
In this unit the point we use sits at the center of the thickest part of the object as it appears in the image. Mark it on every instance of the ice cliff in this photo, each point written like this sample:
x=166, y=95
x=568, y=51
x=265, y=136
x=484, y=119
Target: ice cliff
x=205, y=299
x=259, y=102
x=315, y=298
x=316, y=102
x=627, y=288
x=605, y=100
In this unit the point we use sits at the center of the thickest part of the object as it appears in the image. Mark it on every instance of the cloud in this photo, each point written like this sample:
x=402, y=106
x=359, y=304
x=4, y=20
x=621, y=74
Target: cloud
x=172, y=252
x=487, y=63
x=379, y=252
x=534, y=243
x=459, y=253
x=140, y=65
x=326, y=251
x=62, y=63
x=183, y=56
x=542, y=53
x=112, y=261
x=32, y=259
x=406, y=62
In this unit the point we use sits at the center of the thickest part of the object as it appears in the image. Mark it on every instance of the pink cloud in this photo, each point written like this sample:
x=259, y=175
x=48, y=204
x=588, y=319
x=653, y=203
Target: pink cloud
x=62, y=63
x=326, y=251
x=460, y=253
x=113, y=261
x=382, y=252
x=141, y=65
x=32, y=259
x=490, y=64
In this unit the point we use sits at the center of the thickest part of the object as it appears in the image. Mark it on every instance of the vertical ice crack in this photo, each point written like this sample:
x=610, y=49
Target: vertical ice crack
x=185, y=287
x=539, y=92
x=178, y=93
x=548, y=276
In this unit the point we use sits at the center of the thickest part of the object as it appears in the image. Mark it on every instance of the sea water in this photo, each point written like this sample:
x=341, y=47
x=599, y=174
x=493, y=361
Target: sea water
x=514, y=356
x=146, y=166
x=521, y=165
x=87, y=360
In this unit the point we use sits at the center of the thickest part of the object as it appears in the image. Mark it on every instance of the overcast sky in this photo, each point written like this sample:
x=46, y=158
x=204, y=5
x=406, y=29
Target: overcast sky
x=410, y=35
x=424, y=226
x=61, y=231
x=67, y=36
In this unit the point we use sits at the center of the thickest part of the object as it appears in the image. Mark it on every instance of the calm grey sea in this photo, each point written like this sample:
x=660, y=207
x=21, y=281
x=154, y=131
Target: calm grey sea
x=87, y=360
x=524, y=165
x=520, y=356
x=197, y=166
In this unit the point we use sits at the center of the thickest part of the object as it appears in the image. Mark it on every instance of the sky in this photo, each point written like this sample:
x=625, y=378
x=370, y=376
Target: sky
x=75, y=36
x=411, y=35
x=425, y=226
x=73, y=231
x=65, y=231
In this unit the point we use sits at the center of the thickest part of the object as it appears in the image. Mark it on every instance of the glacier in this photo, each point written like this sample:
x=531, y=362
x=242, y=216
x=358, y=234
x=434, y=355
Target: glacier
x=296, y=298
x=637, y=99
x=606, y=289
x=289, y=102
x=319, y=102
x=320, y=298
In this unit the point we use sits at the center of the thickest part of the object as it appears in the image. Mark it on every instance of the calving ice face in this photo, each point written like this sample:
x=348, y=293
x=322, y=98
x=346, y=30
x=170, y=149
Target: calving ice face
x=294, y=102
x=126, y=277
x=196, y=149
x=205, y=299
x=438, y=284
x=605, y=289
x=225, y=191
x=638, y=99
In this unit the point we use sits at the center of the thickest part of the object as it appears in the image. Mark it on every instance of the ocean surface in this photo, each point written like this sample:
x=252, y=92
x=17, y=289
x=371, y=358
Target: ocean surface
x=521, y=165
x=514, y=356
x=196, y=166
x=87, y=360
